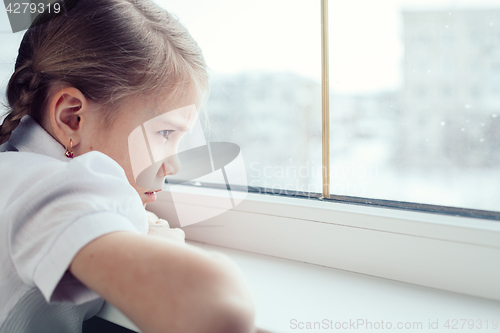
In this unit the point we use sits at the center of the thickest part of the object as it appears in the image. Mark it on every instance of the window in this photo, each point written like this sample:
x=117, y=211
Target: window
x=389, y=65
x=389, y=147
x=419, y=156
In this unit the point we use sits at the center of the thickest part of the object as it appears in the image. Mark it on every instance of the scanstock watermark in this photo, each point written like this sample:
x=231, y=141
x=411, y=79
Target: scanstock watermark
x=347, y=179
x=468, y=324
x=354, y=324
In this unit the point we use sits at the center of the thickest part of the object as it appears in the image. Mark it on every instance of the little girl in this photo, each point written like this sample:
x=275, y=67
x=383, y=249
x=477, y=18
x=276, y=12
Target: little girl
x=73, y=224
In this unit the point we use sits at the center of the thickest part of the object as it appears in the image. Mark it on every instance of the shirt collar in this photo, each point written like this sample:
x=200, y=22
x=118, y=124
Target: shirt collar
x=29, y=136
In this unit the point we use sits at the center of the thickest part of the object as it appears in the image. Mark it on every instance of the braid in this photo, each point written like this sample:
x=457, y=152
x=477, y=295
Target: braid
x=22, y=92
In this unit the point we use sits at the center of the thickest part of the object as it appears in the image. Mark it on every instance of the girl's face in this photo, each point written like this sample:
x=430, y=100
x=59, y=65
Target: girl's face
x=144, y=140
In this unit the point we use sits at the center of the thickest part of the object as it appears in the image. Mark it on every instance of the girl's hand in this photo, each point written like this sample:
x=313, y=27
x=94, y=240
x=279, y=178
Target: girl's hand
x=160, y=227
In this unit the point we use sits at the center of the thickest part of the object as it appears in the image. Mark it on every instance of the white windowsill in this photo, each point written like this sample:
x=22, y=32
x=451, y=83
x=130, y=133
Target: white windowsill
x=450, y=253
x=285, y=290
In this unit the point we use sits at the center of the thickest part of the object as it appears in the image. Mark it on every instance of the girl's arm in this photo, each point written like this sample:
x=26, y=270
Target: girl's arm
x=165, y=286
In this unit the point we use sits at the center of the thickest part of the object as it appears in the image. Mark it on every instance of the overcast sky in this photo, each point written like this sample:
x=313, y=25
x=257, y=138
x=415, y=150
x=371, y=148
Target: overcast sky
x=284, y=35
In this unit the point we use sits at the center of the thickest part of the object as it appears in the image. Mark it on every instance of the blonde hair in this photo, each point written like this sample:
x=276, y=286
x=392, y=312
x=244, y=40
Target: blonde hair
x=109, y=50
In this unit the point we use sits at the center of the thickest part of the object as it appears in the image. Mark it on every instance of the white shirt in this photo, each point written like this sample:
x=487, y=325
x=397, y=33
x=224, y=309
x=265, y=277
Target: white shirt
x=50, y=208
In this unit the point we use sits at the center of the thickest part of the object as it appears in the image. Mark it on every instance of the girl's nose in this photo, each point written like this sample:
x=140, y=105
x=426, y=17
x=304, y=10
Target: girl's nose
x=170, y=166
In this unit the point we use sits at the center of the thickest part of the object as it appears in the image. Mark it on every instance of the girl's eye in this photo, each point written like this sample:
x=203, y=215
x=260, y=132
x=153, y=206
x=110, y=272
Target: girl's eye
x=165, y=133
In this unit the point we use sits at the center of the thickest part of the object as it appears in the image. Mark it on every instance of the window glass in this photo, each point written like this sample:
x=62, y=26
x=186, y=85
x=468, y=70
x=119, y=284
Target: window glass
x=265, y=63
x=415, y=101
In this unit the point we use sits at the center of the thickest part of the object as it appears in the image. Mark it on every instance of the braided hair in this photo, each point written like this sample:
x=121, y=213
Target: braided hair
x=25, y=89
x=107, y=49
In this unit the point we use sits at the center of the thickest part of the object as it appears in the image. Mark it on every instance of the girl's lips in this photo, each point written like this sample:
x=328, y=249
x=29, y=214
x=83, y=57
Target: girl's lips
x=151, y=196
x=152, y=191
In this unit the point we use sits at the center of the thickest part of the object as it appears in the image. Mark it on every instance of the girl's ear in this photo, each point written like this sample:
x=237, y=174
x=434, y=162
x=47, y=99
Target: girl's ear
x=68, y=111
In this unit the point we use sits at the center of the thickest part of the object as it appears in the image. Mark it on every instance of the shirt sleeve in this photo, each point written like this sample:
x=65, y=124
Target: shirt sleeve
x=62, y=207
